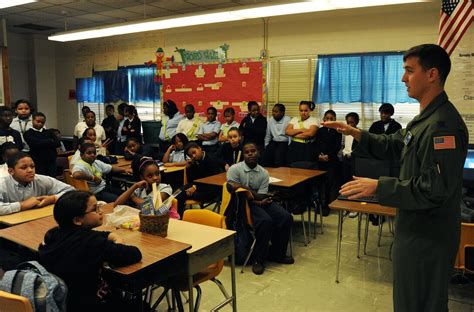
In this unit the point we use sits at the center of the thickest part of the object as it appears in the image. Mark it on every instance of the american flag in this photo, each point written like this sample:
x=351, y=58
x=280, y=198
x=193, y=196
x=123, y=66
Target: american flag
x=456, y=16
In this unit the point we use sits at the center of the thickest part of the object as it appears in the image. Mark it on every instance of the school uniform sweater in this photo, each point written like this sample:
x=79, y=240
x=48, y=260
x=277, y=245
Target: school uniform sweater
x=42, y=145
x=254, y=130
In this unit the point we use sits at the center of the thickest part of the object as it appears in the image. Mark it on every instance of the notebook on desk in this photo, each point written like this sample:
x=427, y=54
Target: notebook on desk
x=367, y=199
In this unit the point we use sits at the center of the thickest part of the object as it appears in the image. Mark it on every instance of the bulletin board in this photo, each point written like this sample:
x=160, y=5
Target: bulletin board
x=221, y=85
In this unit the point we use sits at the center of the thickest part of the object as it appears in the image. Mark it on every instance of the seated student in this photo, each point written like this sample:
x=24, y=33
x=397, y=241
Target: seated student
x=8, y=134
x=7, y=151
x=149, y=173
x=134, y=147
x=23, y=121
x=203, y=165
x=169, y=124
x=302, y=131
x=92, y=170
x=174, y=155
x=190, y=125
x=271, y=221
x=386, y=124
x=77, y=155
x=231, y=151
x=254, y=126
x=89, y=122
x=77, y=254
x=23, y=189
x=100, y=148
x=276, y=140
x=348, y=145
x=209, y=131
x=42, y=143
x=229, y=115
x=61, y=149
x=132, y=127
x=327, y=145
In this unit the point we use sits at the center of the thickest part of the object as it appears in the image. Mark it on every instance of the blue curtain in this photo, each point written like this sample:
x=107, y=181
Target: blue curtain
x=370, y=78
x=115, y=85
x=141, y=85
x=90, y=89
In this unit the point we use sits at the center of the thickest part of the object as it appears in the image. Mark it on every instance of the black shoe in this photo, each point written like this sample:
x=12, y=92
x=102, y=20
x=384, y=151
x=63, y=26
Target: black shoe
x=258, y=268
x=283, y=260
x=326, y=212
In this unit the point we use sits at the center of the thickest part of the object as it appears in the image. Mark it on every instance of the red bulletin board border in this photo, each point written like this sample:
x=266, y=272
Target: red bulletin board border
x=220, y=84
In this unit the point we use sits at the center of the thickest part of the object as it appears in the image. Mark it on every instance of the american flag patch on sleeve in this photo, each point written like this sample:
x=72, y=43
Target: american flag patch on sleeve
x=444, y=142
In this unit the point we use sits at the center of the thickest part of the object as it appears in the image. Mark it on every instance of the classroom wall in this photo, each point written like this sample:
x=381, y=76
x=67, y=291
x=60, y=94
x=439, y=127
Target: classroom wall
x=362, y=30
x=19, y=56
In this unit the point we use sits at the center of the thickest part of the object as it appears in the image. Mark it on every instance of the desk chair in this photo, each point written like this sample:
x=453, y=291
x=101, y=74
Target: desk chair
x=467, y=240
x=81, y=185
x=14, y=303
x=230, y=197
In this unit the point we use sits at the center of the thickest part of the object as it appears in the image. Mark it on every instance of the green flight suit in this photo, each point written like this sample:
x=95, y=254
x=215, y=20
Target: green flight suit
x=427, y=196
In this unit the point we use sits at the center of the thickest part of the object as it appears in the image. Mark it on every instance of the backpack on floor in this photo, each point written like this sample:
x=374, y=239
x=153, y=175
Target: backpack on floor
x=45, y=291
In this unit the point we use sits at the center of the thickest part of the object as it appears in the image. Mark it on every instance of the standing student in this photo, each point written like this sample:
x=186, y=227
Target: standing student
x=190, y=125
x=302, y=130
x=254, y=126
x=276, y=140
x=110, y=124
x=23, y=121
x=271, y=221
x=7, y=151
x=169, y=124
x=432, y=150
x=132, y=127
x=43, y=144
x=229, y=117
x=327, y=145
x=8, y=134
x=231, y=151
x=174, y=155
x=92, y=170
x=348, y=146
x=77, y=254
x=90, y=122
x=208, y=133
x=386, y=124
x=121, y=139
x=23, y=189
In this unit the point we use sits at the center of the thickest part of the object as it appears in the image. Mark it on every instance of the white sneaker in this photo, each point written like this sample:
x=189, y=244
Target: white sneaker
x=353, y=214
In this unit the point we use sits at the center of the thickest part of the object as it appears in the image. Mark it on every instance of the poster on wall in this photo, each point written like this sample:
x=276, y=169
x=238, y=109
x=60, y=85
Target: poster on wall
x=230, y=84
x=460, y=83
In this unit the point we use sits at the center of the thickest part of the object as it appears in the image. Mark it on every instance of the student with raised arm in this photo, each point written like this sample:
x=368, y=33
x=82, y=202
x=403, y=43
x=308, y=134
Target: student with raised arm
x=23, y=189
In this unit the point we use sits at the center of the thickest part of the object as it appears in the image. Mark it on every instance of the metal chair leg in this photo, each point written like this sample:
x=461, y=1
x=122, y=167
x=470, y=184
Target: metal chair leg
x=306, y=240
x=366, y=233
x=249, y=254
x=321, y=217
x=359, y=222
x=198, y=298
x=380, y=231
x=221, y=287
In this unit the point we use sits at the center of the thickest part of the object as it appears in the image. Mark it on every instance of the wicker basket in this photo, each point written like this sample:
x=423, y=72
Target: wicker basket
x=156, y=225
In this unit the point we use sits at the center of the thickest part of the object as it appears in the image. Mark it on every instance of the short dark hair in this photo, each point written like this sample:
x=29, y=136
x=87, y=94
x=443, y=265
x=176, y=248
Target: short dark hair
x=189, y=146
x=144, y=163
x=182, y=137
x=131, y=109
x=330, y=111
x=4, y=109
x=387, y=108
x=11, y=162
x=109, y=106
x=431, y=56
x=188, y=107
x=121, y=108
x=250, y=143
x=89, y=112
x=39, y=114
x=55, y=130
x=172, y=108
x=234, y=129
x=353, y=115
x=7, y=146
x=84, y=134
x=82, y=139
x=280, y=107
x=310, y=104
x=134, y=139
x=229, y=110
x=85, y=146
x=18, y=102
x=250, y=104
x=69, y=206
x=212, y=108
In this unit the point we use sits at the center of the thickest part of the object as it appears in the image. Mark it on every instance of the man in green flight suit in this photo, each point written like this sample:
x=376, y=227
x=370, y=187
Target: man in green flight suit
x=427, y=195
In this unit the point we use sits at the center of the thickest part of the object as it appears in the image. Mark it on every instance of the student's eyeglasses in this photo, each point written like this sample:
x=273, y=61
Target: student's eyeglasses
x=97, y=208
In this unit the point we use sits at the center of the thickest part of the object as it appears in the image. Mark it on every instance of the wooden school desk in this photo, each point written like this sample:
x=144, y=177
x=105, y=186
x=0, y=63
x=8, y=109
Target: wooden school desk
x=360, y=207
x=26, y=215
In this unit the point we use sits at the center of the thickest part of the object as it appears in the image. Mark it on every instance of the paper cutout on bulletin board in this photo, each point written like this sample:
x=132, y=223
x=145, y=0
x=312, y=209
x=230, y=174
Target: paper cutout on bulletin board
x=106, y=61
x=133, y=57
x=233, y=89
x=83, y=65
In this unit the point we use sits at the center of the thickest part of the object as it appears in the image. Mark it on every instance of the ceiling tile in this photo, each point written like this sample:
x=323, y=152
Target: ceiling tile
x=36, y=5
x=19, y=19
x=41, y=15
x=121, y=14
x=118, y=4
x=173, y=5
x=58, y=2
x=98, y=18
x=74, y=21
x=15, y=9
x=59, y=9
x=149, y=9
x=206, y=3
x=87, y=6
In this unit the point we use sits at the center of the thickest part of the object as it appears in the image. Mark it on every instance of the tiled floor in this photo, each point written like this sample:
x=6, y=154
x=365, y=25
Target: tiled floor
x=309, y=284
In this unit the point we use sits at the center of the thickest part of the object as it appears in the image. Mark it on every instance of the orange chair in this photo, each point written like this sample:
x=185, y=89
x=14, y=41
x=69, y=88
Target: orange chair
x=76, y=183
x=467, y=240
x=14, y=303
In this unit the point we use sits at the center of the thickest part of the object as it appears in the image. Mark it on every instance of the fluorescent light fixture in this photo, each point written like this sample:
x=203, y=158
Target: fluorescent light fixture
x=221, y=16
x=10, y=3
